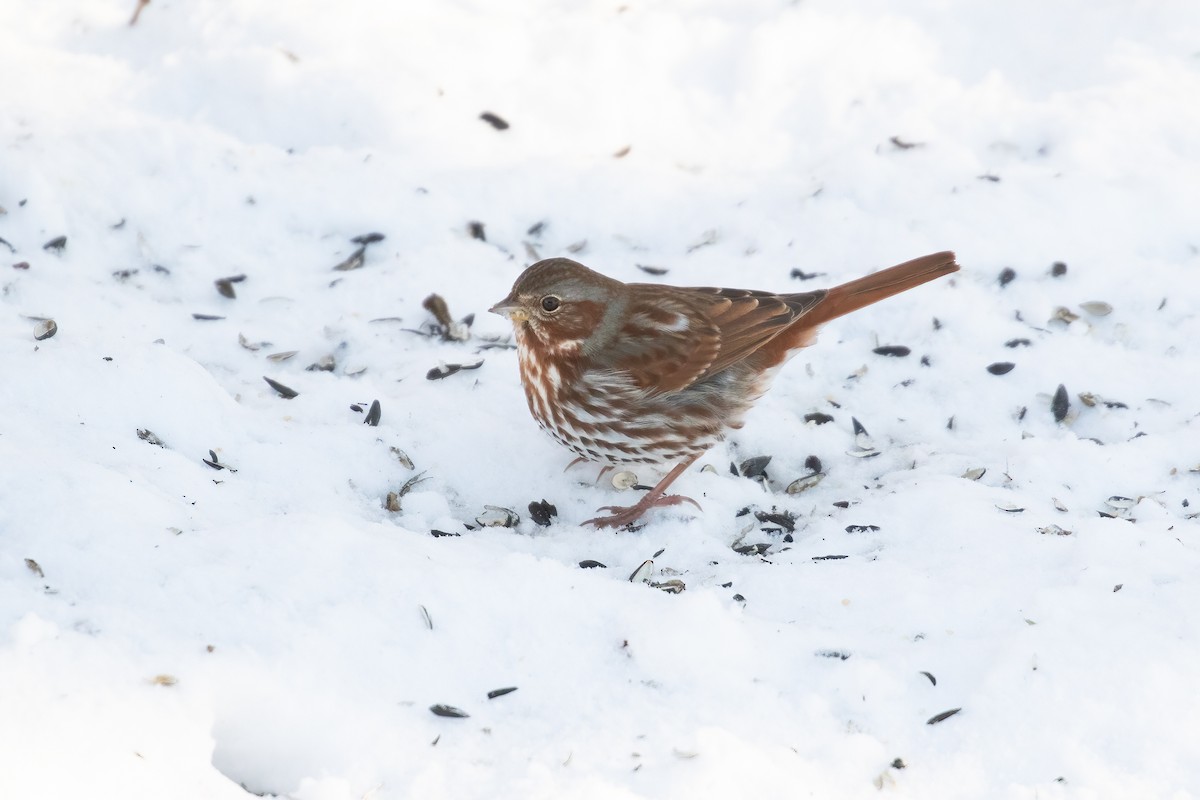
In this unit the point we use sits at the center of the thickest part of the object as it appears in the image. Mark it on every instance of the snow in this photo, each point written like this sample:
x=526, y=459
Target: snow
x=168, y=629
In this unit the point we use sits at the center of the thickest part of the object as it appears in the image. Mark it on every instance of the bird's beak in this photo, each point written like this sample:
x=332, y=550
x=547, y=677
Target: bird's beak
x=510, y=308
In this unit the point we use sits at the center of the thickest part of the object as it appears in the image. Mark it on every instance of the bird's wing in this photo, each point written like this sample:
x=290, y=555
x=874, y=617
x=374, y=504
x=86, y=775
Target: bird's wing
x=672, y=337
x=748, y=319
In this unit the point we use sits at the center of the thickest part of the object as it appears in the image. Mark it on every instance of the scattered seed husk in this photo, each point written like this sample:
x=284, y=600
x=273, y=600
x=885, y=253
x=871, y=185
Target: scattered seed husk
x=536, y=229
x=1097, y=308
x=323, y=364
x=649, y=270
x=147, y=435
x=425, y=616
x=756, y=549
x=443, y=710
x=1117, y=588
x=283, y=355
x=1053, y=530
x=8, y=244
x=542, y=513
x=215, y=463
x=34, y=567
x=1061, y=403
x=164, y=680
x=446, y=370
x=1009, y=508
x=45, y=329
x=945, y=715
x=862, y=528
x=577, y=247
x=21, y=265
x=672, y=586
x=929, y=675
x=1007, y=276
x=784, y=519
x=439, y=534
x=755, y=467
x=1058, y=504
x=251, y=346
x=805, y=483
x=1120, y=502
x=860, y=453
x=368, y=238
x=642, y=573
x=1018, y=343
x=286, y=392
x=476, y=231
x=448, y=329
x=1001, y=367
x=353, y=261
x=498, y=517
x=354, y=370
x=494, y=120
x=838, y=654
x=494, y=693
x=901, y=144
x=392, y=501
x=817, y=418
x=1058, y=269
x=589, y=563
x=975, y=473
x=225, y=285
x=373, y=414
x=801, y=275
x=207, y=317
x=1064, y=315
x=623, y=479
x=894, y=350
x=624, y=151
x=402, y=457
x=828, y=558
x=57, y=244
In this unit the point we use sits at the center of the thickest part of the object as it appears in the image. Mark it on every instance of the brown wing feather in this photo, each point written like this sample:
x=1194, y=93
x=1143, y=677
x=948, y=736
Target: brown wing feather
x=750, y=319
x=666, y=342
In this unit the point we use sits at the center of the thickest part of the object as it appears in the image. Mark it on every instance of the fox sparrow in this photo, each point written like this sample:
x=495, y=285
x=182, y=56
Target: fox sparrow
x=626, y=373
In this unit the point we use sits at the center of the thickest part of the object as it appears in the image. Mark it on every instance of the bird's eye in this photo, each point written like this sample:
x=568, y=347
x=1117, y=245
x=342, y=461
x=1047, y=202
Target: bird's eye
x=550, y=304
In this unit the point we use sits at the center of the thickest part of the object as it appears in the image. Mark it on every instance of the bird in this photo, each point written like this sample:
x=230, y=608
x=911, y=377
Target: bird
x=637, y=373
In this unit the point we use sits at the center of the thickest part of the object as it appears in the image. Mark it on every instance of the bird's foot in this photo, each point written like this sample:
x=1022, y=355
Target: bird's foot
x=627, y=515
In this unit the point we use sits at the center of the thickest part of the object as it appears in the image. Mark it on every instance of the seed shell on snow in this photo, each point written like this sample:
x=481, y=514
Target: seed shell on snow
x=1097, y=308
x=1060, y=404
x=147, y=435
x=894, y=350
x=624, y=480
x=1001, y=367
x=494, y=693
x=542, y=513
x=862, y=528
x=322, y=364
x=368, y=238
x=57, y=244
x=1053, y=530
x=34, y=567
x=672, y=586
x=354, y=261
x=443, y=710
x=753, y=467
x=45, y=329
x=589, y=563
x=642, y=573
x=446, y=370
x=945, y=715
x=1009, y=508
x=286, y=392
x=498, y=517
x=975, y=473
x=225, y=285
x=1121, y=502
x=805, y=483
x=373, y=414
x=402, y=457
x=207, y=317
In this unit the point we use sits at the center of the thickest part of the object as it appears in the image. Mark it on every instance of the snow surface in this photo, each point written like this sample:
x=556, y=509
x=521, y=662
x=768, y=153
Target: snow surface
x=172, y=630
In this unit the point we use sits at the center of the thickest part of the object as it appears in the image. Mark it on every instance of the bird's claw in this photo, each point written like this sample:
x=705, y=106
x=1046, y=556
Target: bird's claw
x=627, y=515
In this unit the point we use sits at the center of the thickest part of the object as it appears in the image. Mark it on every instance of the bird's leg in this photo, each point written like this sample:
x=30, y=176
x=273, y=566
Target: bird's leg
x=624, y=515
